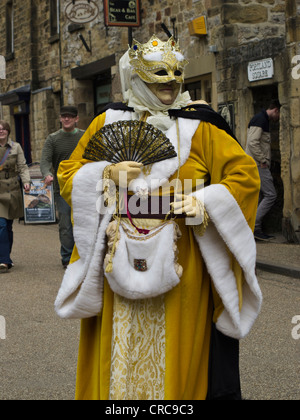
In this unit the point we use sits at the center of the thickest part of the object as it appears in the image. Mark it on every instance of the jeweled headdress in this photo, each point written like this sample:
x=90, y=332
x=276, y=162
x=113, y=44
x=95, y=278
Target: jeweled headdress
x=157, y=61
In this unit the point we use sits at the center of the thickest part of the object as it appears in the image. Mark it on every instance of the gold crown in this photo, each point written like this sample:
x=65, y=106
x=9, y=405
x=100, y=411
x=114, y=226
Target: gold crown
x=170, y=67
x=153, y=45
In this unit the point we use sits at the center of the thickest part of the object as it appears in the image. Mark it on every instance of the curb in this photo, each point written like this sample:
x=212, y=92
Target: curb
x=278, y=269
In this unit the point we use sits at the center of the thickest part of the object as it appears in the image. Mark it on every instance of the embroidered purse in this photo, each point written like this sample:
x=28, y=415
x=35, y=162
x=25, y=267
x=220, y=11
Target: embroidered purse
x=143, y=266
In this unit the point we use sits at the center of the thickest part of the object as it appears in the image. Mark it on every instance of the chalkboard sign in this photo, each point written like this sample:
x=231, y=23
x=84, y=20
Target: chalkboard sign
x=122, y=13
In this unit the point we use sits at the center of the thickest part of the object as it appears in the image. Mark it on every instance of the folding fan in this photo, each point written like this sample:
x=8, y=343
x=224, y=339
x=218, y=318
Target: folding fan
x=135, y=141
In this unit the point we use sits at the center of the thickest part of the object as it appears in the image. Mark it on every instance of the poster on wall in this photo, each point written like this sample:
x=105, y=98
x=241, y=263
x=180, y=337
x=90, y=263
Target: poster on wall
x=227, y=112
x=39, y=204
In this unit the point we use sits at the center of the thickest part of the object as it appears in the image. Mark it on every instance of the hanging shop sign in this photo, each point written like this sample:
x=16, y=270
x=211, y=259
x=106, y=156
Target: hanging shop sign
x=198, y=26
x=122, y=13
x=260, y=70
x=81, y=11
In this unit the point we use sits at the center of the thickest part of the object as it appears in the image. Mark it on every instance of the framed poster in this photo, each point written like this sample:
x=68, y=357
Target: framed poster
x=227, y=112
x=122, y=13
x=39, y=204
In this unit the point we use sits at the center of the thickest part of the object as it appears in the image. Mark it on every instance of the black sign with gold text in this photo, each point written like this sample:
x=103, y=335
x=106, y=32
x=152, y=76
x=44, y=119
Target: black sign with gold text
x=122, y=12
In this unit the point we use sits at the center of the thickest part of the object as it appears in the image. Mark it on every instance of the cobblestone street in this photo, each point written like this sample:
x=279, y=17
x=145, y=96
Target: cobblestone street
x=39, y=355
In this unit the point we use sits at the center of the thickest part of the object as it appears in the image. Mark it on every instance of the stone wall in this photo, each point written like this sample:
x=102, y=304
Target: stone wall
x=290, y=125
x=44, y=119
x=239, y=31
x=16, y=67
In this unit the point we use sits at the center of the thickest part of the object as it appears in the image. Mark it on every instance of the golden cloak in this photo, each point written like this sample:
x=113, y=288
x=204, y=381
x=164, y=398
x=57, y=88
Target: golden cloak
x=159, y=348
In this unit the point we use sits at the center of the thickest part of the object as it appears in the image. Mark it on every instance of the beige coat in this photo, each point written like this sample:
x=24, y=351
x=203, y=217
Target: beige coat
x=11, y=204
x=259, y=145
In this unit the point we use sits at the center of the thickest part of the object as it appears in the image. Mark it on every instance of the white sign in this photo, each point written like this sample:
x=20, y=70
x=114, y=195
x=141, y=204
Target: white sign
x=296, y=330
x=2, y=67
x=260, y=70
x=296, y=69
x=82, y=11
x=2, y=328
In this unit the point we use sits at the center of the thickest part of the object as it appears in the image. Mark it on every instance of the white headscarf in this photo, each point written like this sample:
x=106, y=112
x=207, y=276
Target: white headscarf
x=139, y=96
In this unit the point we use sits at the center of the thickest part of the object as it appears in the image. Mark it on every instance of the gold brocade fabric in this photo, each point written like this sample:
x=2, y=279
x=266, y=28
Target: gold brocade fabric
x=138, y=349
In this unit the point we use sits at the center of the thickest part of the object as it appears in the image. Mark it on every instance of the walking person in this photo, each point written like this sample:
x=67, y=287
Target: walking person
x=13, y=167
x=58, y=147
x=259, y=147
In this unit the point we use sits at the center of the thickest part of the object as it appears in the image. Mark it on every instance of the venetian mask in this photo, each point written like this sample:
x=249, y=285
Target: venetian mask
x=157, y=61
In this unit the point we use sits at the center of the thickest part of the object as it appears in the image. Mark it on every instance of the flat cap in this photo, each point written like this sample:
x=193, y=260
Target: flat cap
x=69, y=110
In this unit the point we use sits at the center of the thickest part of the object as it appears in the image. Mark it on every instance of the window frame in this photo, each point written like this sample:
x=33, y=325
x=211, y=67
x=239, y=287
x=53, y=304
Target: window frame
x=54, y=20
x=9, y=28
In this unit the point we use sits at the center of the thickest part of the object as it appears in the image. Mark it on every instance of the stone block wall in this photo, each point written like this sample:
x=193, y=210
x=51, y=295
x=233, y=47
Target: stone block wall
x=239, y=31
x=290, y=125
x=18, y=65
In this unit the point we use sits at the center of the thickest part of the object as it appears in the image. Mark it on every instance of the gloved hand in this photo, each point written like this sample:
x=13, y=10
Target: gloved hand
x=186, y=204
x=132, y=169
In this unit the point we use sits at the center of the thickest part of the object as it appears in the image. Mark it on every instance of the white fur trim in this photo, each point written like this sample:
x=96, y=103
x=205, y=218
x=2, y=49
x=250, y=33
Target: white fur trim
x=230, y=228
x=158, y=56
x=113, y=115
x=80, y=295
x=158, y=251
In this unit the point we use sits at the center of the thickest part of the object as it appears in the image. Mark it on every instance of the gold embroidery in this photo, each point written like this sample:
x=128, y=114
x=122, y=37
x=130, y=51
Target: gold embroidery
x=190, y=109
x=138, y=349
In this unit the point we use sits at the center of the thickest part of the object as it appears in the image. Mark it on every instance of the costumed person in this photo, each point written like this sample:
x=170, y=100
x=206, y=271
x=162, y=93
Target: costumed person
x=13, y=168
x=164, y=294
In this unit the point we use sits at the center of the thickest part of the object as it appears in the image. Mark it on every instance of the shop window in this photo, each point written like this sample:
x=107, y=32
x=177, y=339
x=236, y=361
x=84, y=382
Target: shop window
x=9, y=30
x=102, y=91
x=200, y=88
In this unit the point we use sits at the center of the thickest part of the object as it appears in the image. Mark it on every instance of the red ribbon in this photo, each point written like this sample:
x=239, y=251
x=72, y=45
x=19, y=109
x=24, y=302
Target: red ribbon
x=141, y=231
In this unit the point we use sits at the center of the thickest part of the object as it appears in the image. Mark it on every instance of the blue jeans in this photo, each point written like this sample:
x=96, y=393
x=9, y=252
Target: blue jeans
x=6, y=240
x=65, y=229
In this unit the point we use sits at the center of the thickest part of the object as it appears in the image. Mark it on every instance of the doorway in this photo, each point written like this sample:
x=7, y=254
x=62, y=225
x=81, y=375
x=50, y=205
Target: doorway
x=23, y=135
x=262, y=96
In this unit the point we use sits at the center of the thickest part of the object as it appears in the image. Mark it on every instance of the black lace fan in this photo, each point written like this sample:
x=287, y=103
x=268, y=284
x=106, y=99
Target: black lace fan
x=135, y=141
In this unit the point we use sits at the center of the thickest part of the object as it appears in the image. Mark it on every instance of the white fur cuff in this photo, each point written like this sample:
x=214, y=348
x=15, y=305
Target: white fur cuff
x=230, y=229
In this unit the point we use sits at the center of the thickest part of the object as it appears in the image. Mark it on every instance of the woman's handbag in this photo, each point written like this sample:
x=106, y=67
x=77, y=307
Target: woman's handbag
x=143, y=266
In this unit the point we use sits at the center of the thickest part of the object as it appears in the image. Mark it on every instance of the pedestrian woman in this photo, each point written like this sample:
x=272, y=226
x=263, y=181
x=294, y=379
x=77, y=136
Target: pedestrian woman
x=163, y=299
x=12, y=168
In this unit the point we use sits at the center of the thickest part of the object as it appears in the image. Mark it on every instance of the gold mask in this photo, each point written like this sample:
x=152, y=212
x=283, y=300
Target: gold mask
x=157, y=61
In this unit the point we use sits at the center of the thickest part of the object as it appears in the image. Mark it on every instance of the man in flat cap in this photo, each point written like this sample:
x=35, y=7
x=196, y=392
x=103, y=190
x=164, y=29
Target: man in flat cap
x=58, y=147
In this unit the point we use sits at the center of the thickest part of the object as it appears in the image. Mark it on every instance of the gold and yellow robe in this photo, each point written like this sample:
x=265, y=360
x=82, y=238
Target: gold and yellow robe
x=159, y=348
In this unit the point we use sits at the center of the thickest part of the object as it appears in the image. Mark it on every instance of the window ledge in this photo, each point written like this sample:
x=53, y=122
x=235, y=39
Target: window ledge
x=53, y=39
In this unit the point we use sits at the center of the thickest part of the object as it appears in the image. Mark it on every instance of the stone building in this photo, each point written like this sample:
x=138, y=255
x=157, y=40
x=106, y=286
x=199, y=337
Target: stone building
x=242, y=54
